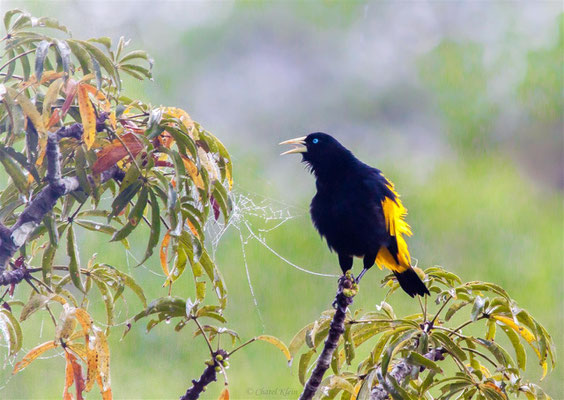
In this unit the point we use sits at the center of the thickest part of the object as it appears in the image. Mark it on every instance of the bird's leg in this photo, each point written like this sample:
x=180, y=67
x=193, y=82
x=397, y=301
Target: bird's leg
x=346, y=263
x=369, y=260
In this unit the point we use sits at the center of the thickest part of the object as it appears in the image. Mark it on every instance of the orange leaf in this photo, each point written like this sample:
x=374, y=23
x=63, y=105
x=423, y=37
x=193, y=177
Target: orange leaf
x=87, y=115
x=114, y=152
x=164, y=253
x=83, y=319
x=193, y=172
x=98, y=95
x=192, y=228
x=33, y=354
x=224, y=394
x=69, y=378
x=91, y=363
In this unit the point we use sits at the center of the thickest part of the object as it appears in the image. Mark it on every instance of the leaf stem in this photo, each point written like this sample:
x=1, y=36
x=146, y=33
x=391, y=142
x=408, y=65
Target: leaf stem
x=11, y=60
x=203, y=334
x=241, y=346
x=440, y=310
x=480, y=354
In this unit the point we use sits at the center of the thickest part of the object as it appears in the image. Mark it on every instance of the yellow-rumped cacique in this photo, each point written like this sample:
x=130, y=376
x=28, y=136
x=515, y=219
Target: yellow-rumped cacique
x=357, y=210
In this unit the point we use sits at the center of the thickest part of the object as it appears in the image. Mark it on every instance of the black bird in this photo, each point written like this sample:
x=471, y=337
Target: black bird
x=357, y=210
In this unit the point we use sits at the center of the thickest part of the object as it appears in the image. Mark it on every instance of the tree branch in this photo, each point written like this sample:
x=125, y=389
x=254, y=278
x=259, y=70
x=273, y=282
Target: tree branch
x=344, y=298
x=208, y=376
x=11, y=239
x=400, y=372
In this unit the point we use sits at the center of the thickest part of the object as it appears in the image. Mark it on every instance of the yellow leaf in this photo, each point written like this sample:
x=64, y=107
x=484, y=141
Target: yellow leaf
x=182, y=116
x=87, y=115
x=103, y=351
x=33, y=354
x=521, y=330
x=193, y=172
x=164, y=253
x=528, y=336
x=276, y=342
x=50, y=97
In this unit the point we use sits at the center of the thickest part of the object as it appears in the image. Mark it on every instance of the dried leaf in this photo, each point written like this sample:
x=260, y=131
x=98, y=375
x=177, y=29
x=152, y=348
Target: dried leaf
x=33, y=354
x=87, y=115
x=276, y=342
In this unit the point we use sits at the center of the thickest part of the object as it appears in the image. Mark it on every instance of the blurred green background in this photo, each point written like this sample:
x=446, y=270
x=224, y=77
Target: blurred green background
x=460, y=104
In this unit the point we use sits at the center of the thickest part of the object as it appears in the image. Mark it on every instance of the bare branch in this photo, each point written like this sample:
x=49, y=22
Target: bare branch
x=208, y=376
x=344, y=298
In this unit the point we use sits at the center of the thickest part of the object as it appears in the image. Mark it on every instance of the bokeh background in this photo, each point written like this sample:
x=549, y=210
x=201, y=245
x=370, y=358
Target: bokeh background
x=460, y=104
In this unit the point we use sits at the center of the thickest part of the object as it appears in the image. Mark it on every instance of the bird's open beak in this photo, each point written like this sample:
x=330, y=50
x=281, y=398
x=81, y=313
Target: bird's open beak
x=298, y=144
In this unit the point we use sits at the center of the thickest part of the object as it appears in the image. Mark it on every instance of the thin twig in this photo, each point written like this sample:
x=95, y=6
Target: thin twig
x=440, y=309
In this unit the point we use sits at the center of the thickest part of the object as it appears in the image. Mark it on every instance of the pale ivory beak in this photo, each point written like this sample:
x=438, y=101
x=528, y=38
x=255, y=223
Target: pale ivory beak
x=298, y=144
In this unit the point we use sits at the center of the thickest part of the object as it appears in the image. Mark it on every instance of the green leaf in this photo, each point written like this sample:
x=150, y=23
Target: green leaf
x=122, y=200
x=392, y=349
x=74, y=263
x=134, y=216
x=108, y=300
x=498, y=352
x=517, y=346
x=303, y=364
x=170, y=306
x=417, y=359
x=14, y=171
x=47, y=263
x=65, y=53
x=40, y=55
x=82, y=56
x=449, y=345
x=95, y=226
x=103, y=60
x=155, y=227
x=478, y=307
x=8, y=17
x=16, y=337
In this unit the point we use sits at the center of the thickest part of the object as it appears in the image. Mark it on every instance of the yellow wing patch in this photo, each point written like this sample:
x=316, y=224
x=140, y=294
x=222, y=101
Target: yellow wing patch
x=394, y=214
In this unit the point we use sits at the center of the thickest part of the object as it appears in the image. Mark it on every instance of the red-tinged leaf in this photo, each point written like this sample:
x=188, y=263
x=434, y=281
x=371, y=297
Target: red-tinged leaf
x=33, y=354
x=77, y=375
x=115, y=151
x=70, y=92
x=55, y=118
x=215, y=205
x=87, y=115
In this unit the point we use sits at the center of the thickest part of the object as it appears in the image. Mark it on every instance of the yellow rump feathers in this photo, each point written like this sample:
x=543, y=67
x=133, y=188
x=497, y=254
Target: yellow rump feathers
x=394, y=213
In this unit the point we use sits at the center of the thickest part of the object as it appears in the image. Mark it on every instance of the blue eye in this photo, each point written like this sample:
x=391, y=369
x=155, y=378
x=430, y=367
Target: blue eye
x=314, y=141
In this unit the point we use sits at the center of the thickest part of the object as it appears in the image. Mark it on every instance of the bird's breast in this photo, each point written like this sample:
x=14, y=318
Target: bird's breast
x=349, y=221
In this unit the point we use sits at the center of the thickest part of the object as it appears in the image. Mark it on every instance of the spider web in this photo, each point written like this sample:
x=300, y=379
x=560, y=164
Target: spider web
x=253, y=216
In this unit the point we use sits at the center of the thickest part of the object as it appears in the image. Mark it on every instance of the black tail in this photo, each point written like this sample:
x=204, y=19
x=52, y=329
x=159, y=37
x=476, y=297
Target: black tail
x=411, y=283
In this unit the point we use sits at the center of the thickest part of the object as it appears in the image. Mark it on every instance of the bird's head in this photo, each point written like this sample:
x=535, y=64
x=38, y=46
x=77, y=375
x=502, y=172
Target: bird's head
x=322, y=152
